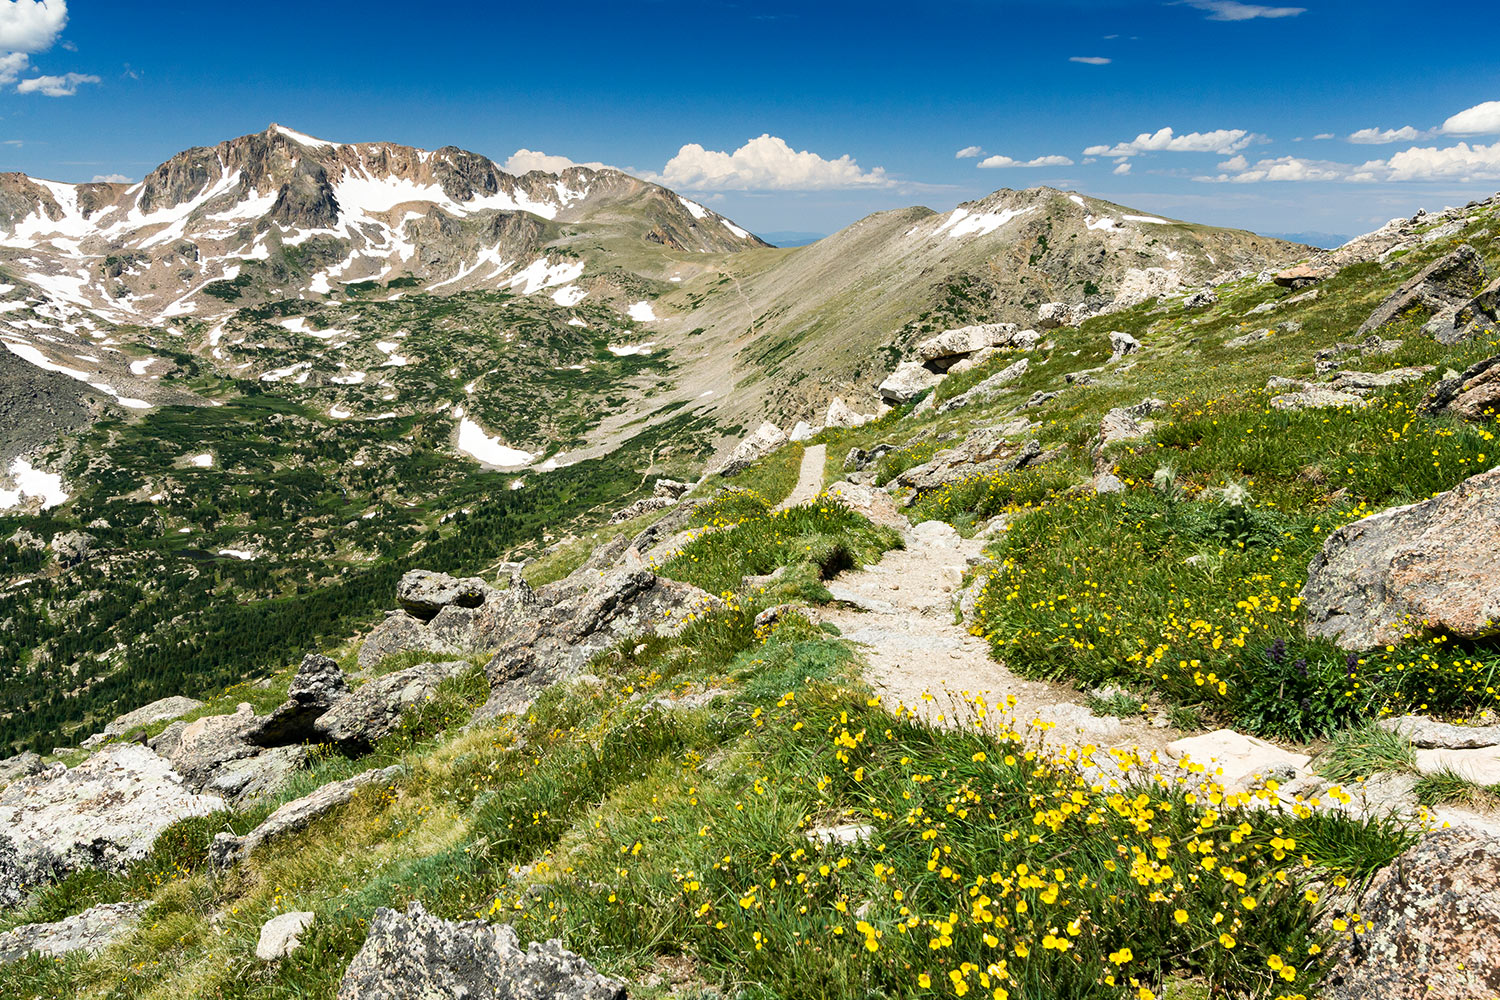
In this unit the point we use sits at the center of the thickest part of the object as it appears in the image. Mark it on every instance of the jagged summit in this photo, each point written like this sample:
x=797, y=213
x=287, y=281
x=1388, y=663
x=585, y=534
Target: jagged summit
x=371, y=210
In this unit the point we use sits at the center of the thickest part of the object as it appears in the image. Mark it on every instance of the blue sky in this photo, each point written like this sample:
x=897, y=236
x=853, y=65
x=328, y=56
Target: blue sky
x=862, y=106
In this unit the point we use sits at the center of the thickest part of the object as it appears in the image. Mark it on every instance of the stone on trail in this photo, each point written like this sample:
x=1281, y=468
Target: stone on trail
x=1433, y=564
x=1240, y=758
x=1432, y=915
x=1428, y=733
x=415, y=956
x=938, y=534
x=1480, y=765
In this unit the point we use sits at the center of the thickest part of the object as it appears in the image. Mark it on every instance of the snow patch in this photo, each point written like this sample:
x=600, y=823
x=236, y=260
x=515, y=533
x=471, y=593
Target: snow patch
x=642, y=312
x=472, y=440
x=696, y=210
x=569, y=296
x=32, y=482
x=1146, y=218
x=203, y=461
x=629, y=350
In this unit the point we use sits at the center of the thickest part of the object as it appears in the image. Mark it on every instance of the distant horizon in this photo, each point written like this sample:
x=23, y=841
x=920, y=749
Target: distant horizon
x=814, y=117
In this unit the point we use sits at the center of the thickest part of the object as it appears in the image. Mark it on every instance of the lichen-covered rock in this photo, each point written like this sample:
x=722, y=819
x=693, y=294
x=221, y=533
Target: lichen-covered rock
x=982, y=451
x=874, y=504
x=1472, y=395
x=89, y=931
x=102, y=814
x=228, y=849
x=372, y=711
x=1428, y=733
x=415, y=956
x=196, y=749
x=423, y=593
x=249, y=778
x=20, y=766
x=1434, y=564
x=1121, y=344
x=457, y=629
x=72, y=547
x=1432, y=916
x=1445, y=285
x=1317, y=398
x=317, y=686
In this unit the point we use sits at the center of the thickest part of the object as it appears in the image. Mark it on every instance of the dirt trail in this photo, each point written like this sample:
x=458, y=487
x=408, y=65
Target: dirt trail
x=918, y=655
x=809, y=479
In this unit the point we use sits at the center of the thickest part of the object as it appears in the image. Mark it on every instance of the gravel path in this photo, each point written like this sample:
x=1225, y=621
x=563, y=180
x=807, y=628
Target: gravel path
x=901, y=610
x=809, y=479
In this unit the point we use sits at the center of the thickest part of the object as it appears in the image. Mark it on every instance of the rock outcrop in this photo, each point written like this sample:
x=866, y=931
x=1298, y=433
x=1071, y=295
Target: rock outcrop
x=89, y=931
x=988, y=389
x=1434, y=564
x=983, y=451
x=478, y=618
x=102, y=814
x=317, y=686
x=1442, y=288
x=1473, y=395
x=766, y=439
x=907, y=382
x=1431, y=919
x=415, y=956
x=374, y=710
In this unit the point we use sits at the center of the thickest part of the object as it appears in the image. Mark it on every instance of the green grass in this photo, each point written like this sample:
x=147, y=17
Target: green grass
x=742, y=536
x=1363, y=751
x=1447, y=787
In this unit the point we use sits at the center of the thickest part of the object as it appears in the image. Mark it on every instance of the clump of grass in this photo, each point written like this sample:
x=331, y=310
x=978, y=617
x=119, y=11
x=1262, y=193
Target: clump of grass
x=1448, y=787
x=1365, y=750
x=1120, y=704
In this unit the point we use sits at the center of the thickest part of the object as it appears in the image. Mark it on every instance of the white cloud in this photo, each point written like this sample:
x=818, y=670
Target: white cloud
x=1223, y=141
x=1324, y=135
x=1232, y=10
x=1040, y=161
x=526, y=160
x=1461, y=162
x=55, y=86
x=765, y=164
x=1481, y=119
x=1282, y=168
x=31, y=25
x=12, y=65
x=1122, y=168
x=968, y=152
x=1091, y=60
x=1237, y=162
x=1377, y=137
x=110, y=179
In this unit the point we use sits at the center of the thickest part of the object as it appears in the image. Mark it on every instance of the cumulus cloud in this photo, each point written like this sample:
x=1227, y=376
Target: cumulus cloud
x=1122, y=168
x=1324, y=135
x=968, y=152
x=997, y=161
x=12, y=65
x=55, y=86
x=765, y=164
x=1232, y=10
x=1481, y=119
x=1091, y=60
x=1223, y=141
x=111, y=179
x=1281, y=168
x=31, y=25
x=526, y=160
x=1377, y=136
x=1462, y=162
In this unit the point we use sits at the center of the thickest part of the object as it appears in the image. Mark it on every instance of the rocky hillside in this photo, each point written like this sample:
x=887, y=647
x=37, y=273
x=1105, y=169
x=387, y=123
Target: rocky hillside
x=1128, y=648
